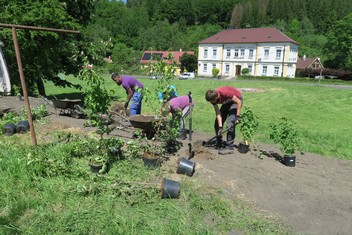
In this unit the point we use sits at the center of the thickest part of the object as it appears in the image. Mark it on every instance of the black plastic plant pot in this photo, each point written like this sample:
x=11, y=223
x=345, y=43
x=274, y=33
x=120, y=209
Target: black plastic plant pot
x=185, y=167
x=98, y=168
x=243, y=148
x=9, y=129
x=151, y=162
x=22, y=127
x=289, y=161
x=170, y=189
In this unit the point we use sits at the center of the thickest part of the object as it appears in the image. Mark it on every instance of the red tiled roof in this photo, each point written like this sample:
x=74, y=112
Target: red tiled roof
x=253, y=35
x=304, y=63
x=177, y=54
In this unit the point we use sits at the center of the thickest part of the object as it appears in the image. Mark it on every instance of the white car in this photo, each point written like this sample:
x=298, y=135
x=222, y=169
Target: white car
x=185, y=76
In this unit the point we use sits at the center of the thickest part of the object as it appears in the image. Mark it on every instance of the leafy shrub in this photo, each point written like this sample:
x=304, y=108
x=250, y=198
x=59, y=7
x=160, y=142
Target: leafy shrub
x=245, y=71
x=215, y=72
x=285, y=134
x=249, y=124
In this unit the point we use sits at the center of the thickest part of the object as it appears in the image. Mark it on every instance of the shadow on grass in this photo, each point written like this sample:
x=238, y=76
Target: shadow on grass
x=69, y=96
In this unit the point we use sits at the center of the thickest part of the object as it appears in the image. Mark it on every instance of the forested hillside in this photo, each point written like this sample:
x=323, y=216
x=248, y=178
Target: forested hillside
x=181, y=24
x=124, y=30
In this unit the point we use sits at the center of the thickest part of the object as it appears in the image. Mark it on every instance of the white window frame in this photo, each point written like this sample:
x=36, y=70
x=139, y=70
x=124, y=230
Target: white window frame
x=251, y=54
x=236, y=55
x=250, y=69
x=265, y=70
x=228, y=53
x=241, y=53
x=276, y=70
x=266, y=53
x=227, y=68
x=205, y=53
x=205, y=68
x=214, y=66
x=215, y=52
x=278, y=53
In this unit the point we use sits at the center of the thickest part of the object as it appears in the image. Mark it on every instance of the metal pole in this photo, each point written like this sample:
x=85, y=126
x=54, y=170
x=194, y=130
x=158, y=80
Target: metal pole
x=23, y=84
x=39, y=28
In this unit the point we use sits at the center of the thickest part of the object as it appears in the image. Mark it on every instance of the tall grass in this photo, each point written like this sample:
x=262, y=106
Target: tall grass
x=65, y=198
x=322, y=113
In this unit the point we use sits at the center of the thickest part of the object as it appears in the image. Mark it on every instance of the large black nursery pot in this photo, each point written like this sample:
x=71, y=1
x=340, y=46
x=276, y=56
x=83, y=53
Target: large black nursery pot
x=185, y=167
x=22, y=127
x=170, y=189
x=9, y=129
x=289, y=161
x=243, y=148
x=150, y=160
x=99, y=168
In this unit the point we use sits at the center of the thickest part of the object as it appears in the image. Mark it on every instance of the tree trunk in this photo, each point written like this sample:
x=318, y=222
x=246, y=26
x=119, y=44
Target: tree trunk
x=41, y=87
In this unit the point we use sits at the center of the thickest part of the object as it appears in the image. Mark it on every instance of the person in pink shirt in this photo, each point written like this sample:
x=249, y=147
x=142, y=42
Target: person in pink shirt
x=179, y=106
x=231, y=101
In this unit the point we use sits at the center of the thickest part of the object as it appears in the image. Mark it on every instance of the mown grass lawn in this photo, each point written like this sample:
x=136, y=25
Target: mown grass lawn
x=49, y=189
x=322, y=113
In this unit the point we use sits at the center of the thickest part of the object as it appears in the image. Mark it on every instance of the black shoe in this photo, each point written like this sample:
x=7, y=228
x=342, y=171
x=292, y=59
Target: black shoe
x=226, y=151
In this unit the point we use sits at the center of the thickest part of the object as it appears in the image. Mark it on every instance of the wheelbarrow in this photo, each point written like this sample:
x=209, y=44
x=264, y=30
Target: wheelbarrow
x=69, y=107
x=144, y=122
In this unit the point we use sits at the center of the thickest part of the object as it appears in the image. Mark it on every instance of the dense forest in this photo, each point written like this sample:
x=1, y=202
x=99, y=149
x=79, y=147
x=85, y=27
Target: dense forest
x=124, y=30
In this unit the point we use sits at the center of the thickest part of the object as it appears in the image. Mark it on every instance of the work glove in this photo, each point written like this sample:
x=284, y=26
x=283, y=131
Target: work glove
x=237, y=119
x=220, y=132
x=125, y=106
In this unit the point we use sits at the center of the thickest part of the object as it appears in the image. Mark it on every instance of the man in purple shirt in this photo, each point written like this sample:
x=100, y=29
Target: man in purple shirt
x=179, y=105
x=133, y=90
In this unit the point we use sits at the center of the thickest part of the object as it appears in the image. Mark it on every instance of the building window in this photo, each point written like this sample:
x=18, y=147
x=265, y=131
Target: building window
x=214, y=53
x=205, y=53
x=228, y=53
x=214, y=66
x=265, y=70
x=236, y=53
x=227, y=68
x=205, y=68
x=278, y=53
x=251, y=51
x=250, y=69
x=276, y=70
x=266, y=54
x=242, y=53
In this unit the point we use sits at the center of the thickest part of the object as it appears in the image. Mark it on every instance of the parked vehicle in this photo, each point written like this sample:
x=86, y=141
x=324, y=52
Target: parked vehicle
x=185, y=76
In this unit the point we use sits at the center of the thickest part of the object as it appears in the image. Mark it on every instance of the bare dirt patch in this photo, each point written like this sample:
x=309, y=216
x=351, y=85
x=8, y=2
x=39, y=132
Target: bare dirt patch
x=314, y=197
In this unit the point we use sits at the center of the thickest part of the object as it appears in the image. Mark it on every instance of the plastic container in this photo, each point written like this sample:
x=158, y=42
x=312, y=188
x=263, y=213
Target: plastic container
x=22, y=127
x=185, y=167
x=289, y=161
x=9, y=129
x=170, y=189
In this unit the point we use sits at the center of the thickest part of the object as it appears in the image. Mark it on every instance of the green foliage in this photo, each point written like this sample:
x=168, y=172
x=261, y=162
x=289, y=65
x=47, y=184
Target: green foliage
x=38, y=114
x=44, y=54
x=189, y=62
x=215, y=72
x=245, y=71
x=249, y=124
x=339, y=44
x=285, y=134
x=96, y=100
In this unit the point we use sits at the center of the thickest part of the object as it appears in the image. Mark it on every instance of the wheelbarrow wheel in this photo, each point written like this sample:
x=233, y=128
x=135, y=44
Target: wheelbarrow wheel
x=77, y=111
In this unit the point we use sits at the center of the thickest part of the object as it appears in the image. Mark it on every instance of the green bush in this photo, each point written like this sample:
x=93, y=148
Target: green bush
x=215, y=72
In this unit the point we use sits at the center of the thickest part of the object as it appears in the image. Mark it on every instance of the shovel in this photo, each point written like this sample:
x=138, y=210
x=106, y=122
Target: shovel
x=206, y=143
x=191, y=151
